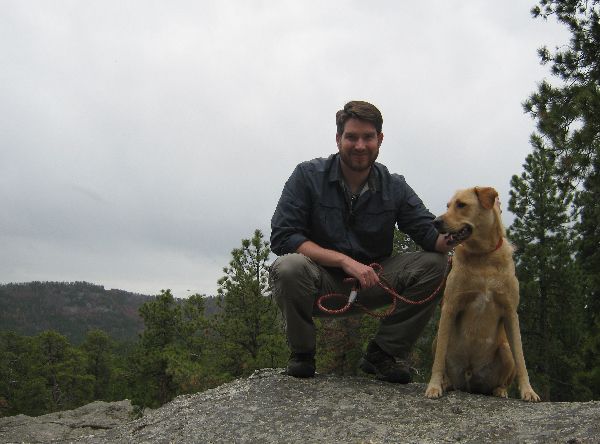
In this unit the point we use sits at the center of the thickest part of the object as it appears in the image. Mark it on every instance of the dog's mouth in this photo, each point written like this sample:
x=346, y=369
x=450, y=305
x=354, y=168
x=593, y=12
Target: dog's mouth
x=453, y=239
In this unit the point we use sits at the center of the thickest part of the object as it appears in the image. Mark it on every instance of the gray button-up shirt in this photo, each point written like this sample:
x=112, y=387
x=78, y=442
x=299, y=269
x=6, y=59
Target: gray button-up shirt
x=313, y=206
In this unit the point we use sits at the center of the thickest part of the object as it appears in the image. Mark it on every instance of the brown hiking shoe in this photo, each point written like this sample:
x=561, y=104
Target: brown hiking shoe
x=301, y=365
x=384, y=366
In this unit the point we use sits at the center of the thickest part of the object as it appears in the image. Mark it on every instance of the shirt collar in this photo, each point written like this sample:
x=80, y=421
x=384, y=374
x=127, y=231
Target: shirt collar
x=336, y=175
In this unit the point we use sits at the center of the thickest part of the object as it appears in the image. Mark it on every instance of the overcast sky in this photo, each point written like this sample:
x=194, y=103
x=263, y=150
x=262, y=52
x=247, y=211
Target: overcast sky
x=141, y=141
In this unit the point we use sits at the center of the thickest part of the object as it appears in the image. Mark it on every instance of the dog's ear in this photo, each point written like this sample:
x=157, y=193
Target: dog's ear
x=487, y=196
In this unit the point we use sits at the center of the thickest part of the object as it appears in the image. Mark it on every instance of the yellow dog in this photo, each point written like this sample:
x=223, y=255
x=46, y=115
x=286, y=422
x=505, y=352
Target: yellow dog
x=478, y=344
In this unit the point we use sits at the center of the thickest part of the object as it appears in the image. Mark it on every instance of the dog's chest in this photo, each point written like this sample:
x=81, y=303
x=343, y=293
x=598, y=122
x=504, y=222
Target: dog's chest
x=482, y=301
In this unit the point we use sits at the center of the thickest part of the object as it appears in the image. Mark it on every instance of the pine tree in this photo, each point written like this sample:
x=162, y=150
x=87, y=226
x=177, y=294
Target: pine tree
x=589, y=246
x=97, y=349
x=568, y=115
x=588, y=258
x=53, y=348
x=551, y=306
x=568, y=123
x=166, y=359
x=77, y=384
x=249, y=333
x=23, y=389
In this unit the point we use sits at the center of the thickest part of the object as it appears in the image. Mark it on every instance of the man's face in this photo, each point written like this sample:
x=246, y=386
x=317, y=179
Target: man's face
x=359, y=145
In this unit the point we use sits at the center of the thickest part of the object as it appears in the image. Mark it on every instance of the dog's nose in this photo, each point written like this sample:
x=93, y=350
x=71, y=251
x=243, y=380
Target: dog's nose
x=438, y=223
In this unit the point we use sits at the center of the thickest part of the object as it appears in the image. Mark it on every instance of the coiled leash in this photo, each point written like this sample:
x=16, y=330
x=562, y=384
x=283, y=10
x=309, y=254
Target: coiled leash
x=383, y=283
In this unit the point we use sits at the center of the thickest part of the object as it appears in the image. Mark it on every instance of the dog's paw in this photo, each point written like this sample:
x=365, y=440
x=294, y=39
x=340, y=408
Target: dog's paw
x=530, y=396
x=501, y=392
x=433, y=391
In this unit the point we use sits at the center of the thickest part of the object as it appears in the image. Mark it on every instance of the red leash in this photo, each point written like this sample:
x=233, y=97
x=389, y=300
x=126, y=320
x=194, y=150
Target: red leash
x=383, y=283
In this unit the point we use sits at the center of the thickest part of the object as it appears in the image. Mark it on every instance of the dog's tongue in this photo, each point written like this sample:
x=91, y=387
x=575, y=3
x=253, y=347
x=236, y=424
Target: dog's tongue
x=447, y=238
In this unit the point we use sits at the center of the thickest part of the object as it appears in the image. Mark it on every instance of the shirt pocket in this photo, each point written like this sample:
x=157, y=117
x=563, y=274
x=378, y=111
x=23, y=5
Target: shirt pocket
x=328, y=225
x=375, y=229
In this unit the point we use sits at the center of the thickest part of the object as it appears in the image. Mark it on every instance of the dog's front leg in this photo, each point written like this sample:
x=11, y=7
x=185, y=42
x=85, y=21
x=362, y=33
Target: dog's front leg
x=513, y=334
x=434, y=389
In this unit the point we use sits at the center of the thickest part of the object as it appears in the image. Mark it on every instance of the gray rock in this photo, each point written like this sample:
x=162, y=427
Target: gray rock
x=84, y=421
x=271, y=408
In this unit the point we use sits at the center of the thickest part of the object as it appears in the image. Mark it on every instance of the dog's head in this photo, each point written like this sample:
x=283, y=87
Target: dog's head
x=472, y=215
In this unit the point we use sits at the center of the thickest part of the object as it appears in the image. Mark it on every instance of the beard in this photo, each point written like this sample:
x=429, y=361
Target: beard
x=359, y=164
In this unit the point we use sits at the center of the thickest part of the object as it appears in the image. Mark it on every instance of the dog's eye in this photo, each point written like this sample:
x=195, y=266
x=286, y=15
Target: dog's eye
x=461, y=204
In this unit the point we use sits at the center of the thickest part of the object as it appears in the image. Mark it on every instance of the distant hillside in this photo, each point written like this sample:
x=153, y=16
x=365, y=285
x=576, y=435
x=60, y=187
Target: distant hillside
x=74, y=308
x=71, y=309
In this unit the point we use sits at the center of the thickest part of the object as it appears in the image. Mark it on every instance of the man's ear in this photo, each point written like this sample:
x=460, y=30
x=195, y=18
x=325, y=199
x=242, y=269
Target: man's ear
x=487, y=196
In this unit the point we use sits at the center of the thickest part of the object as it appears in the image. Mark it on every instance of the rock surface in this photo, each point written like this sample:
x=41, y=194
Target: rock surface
x=84, y=421
x=271, y=408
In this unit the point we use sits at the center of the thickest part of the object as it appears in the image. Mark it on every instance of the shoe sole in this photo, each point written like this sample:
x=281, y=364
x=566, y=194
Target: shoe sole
x=402, y=378
x=301, y=370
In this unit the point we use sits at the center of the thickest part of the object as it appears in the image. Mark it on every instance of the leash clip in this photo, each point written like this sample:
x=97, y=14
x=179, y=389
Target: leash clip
x=353, y=296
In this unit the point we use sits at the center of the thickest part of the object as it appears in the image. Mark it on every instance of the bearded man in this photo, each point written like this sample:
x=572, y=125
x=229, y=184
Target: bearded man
x=337, y=215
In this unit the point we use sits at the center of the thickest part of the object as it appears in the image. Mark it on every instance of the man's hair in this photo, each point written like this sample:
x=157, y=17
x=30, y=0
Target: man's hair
x=357, y=109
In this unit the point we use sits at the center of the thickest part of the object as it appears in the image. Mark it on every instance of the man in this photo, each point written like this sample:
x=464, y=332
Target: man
x=336, y=216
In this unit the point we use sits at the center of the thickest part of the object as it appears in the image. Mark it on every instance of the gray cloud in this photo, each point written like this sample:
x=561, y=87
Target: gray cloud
x=141, y=141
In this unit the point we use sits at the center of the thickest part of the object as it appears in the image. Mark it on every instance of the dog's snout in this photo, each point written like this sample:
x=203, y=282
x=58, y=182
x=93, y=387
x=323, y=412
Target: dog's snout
x=438, y=223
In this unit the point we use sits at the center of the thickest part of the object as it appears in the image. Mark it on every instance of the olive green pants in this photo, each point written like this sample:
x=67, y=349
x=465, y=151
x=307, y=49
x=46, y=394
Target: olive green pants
x=297, y=282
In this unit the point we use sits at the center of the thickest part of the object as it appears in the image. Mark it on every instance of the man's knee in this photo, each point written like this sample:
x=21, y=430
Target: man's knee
x=437, y=262
x=288, y=267
x=430, y=271
x=292, y=271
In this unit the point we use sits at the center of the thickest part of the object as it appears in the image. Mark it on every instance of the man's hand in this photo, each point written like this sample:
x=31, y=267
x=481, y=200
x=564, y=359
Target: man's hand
x=328, y=258
x=440, y=245
x=366, y=275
